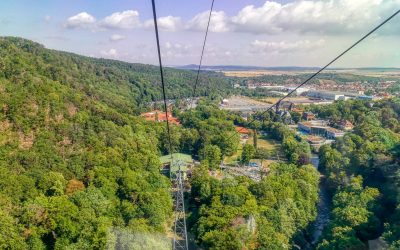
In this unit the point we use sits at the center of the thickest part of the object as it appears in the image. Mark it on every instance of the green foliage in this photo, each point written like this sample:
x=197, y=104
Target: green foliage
x=208, y=125
x=248, y=153
x=68, y=119
x=237, y=213
x=11, y=233
x=296, y=149
x=370, y=151
x=211, y=156
x=352, y=219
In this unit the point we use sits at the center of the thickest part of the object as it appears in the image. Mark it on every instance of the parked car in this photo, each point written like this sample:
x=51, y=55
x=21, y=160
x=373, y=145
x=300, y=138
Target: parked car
x=253, y=165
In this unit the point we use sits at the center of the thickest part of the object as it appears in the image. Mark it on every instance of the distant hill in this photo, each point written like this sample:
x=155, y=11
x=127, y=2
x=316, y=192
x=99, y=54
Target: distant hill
x=283, y=68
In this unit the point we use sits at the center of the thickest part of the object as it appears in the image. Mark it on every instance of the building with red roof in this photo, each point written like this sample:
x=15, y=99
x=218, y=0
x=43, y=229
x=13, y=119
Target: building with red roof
x=160, y=116
x=242, y=130
x=345, y=125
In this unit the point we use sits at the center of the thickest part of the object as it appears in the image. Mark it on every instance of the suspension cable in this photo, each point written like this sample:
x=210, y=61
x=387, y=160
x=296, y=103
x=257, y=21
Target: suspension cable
x=202, y=54
x=323, y=68
x=162, y=75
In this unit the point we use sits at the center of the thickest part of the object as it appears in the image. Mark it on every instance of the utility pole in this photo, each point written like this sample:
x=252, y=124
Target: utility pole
x=180, y=235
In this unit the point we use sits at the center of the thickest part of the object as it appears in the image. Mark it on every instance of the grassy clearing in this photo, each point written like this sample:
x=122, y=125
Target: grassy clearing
x=229, y=160
x=265, y=143
x=262, y=142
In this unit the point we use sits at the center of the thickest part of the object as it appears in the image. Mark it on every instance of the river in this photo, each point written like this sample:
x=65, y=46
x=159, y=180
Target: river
x=323, y=206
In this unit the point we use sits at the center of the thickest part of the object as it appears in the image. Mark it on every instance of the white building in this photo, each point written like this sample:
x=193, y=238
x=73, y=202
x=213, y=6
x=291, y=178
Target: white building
x=332, y=133
x=327, y=95
x=298, y=91
x=225, y=102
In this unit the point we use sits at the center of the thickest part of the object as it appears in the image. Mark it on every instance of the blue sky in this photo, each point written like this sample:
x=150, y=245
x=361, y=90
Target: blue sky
x=243, y=32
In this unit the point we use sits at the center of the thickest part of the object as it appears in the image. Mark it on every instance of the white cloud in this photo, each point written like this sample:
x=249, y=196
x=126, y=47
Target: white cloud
x=175, y=50
x=167, y=23
x=333, y=16
x=251, y=19
x=281, y=47
x=170, y=23
x=81, y=20
x=128, y=19
x=219, y=22
x=116, y=37
x=111, y=53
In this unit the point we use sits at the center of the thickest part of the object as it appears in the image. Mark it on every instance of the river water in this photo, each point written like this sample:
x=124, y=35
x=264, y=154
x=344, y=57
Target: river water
x=323, y=206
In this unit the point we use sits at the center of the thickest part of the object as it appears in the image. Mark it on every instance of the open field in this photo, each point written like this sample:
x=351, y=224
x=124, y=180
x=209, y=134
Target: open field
x=361, y=72
x=264, y=143
x=261, y=73
x=267, y=144
x=386, y=74
x=229, y=160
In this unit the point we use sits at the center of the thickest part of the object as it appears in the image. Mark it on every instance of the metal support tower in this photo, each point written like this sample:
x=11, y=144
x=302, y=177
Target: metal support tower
x=180, y=236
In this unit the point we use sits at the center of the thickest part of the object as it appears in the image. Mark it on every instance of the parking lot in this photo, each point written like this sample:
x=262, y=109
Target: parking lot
x=244, y=104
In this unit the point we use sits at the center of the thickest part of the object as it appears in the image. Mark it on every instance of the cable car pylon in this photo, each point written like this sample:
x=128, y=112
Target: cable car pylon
x=180, y=233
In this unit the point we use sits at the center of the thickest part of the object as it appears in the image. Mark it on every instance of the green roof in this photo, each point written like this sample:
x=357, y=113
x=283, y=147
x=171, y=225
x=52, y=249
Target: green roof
x=176, y=157
x=175, y=169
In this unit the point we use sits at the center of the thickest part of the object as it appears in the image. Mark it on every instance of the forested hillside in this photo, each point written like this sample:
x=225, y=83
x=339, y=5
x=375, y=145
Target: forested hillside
x=78, y=168
x=116, y=83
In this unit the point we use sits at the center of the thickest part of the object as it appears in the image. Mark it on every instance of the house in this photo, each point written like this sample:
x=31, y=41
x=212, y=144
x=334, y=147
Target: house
x=285, y=116
x=242, y=130
x=332, y=133
x=160, y=116
x=308, y=116
x=345, y=125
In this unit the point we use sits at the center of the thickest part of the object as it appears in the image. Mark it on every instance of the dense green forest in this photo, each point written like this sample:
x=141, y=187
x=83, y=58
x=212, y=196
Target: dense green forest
x=361, y=171
x=363, y=175
x=78, y=168
x=120, y=85
x=237, y=212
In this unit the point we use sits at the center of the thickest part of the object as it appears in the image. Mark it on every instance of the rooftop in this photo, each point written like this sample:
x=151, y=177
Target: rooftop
x=315, y=139
x=333, y=130
x=242, y=130
x=345, y=123
x=160, y=116
x=176, y=157
x=314, y=123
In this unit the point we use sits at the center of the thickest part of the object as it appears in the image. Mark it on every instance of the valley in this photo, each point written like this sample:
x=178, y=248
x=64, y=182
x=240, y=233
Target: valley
x=82, y=144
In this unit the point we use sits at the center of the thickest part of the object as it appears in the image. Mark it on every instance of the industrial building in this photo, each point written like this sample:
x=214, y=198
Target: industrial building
x=320, y=128
x=332, y=95
x=326, y=95
x=297, y=91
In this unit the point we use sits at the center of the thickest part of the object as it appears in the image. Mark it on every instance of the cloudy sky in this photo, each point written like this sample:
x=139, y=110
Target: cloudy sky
x=243, y=32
